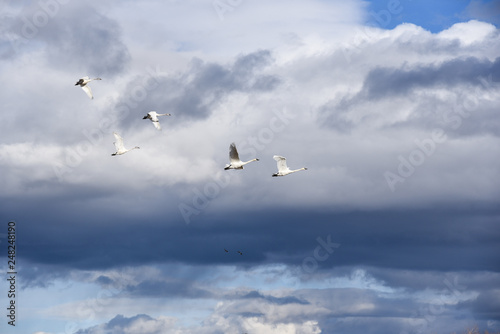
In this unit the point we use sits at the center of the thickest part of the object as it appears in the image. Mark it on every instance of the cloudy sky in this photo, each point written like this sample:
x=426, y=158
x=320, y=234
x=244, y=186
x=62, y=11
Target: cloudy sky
x=393, y=106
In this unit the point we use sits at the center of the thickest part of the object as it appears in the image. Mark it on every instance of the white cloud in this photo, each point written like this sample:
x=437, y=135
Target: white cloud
x=344, y=124
x=469, y=33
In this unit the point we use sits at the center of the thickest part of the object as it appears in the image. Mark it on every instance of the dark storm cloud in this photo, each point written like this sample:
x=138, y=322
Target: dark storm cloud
x=275, y=300
x=74, y=36
x=194, y=93
x=425, y=240
x=485, y=306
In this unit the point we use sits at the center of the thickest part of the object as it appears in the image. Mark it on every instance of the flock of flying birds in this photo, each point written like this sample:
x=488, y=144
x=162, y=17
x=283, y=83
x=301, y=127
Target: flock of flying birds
x=234, y=159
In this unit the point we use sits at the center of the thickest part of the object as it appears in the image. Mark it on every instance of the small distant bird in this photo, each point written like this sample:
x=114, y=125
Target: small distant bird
x=225, y=250
x=83, y=83
x=153, y=116
x=282, y=167
x=240, y=253
x=120, y=149
x=234, y=159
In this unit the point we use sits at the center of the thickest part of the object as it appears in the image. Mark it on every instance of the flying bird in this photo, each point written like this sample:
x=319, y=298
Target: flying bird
x=120, y=149
x=83, y=83
x=234, y=159
x=240, y=253
x=282, y=167
x=225, y=250
x=153, y=116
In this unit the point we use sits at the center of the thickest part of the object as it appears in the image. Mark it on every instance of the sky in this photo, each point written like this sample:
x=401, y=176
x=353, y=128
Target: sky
x=392, y=106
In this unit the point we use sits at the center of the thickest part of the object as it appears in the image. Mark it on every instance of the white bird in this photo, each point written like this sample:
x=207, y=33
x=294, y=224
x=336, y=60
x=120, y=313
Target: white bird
x=234, y=159
x=83, y=83
x=282, y=167
x=120, y=149
x=153, y=116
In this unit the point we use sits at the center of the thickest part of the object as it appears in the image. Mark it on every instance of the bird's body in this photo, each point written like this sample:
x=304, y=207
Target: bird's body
x=83, y=83
x=283, y=168
x=120, y=148
x=153, y=116
x=225, y=250
x=240, y=253
x=234, y=159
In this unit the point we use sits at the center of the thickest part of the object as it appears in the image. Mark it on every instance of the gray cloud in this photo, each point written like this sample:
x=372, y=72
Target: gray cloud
x=447, y=281
x=471, y=80
x=275, y=300
x=74, y=37
x=387, y=82
x=193, y=94
x=484, y=10
x=485, y=306
x=398, y=240
x=165, y=289
x=119, y=324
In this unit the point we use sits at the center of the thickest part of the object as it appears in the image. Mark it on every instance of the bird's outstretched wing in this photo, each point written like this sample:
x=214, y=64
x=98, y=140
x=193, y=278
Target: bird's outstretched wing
x=87, y=90
x=233, y=153
x=119, y=142
x=281, y=163
x=157, y=125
